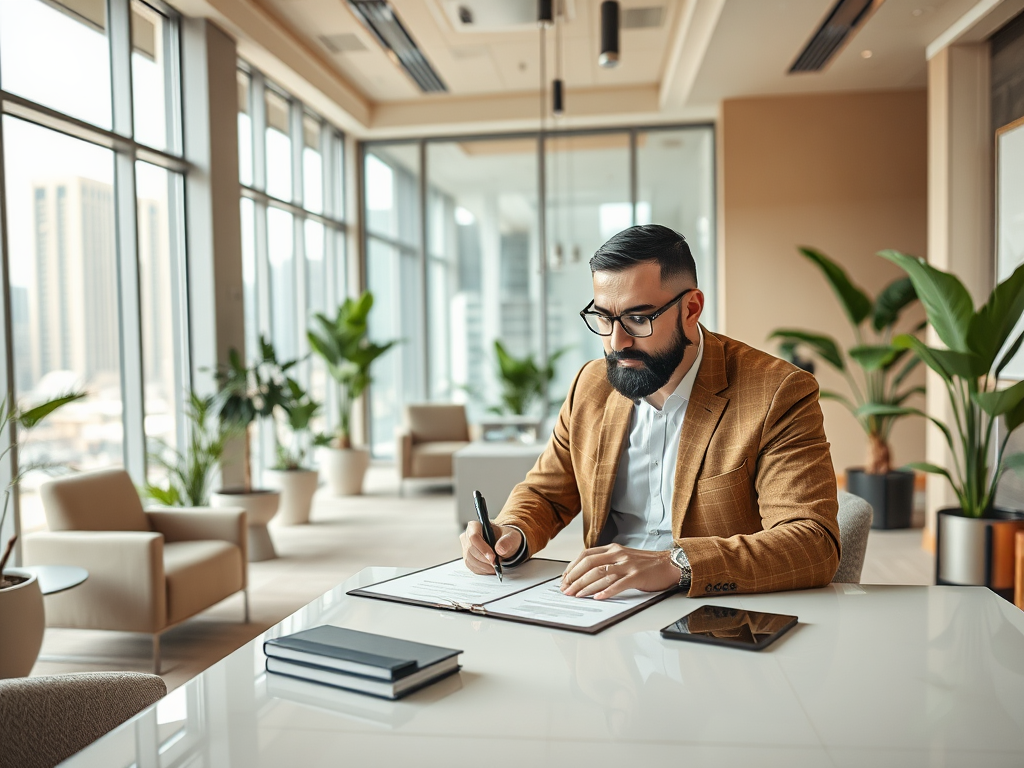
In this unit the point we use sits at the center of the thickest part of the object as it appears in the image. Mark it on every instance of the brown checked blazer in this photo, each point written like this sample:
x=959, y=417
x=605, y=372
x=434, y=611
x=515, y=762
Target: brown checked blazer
x=754, y=504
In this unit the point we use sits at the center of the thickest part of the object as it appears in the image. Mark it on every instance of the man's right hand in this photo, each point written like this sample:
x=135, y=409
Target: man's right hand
x=479, y=557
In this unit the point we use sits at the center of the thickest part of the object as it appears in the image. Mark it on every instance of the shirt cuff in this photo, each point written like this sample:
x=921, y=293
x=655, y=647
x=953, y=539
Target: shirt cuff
x=521, y=555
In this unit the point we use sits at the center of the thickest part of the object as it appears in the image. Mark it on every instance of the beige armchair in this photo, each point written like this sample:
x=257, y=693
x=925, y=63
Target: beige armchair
x=148, y=569
x=430, y=434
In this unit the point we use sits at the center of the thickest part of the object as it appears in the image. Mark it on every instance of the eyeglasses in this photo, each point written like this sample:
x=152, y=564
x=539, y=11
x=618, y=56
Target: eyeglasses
x=638, y=326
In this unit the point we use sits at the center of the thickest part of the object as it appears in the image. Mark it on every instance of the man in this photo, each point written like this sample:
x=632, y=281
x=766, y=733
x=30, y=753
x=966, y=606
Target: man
x=695, y=459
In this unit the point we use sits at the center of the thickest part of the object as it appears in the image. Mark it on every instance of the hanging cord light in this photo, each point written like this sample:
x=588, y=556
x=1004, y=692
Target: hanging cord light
x=609, y=34
x=544, y=20
x=557, y=87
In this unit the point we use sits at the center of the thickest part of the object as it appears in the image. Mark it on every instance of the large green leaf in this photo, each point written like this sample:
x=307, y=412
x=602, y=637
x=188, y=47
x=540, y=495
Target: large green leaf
x=1015, y=461
x=945, y=362
x=946, y=301
x=874, y=357
x=993, y=323
x=1014, y=417
x=891, y=301
x=828, y=394
x=934, y=469
x=1008, y=355
x=824, y=346
x=33, y=416
x=906, y=370
x=1000, y=402
x=855, y=302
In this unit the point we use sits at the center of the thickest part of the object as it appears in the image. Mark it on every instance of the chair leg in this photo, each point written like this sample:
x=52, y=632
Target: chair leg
x=156, y=654
x=245, y=597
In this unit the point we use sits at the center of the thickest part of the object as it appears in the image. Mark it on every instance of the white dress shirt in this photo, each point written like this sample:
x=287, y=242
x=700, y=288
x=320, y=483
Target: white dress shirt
x=641, y=505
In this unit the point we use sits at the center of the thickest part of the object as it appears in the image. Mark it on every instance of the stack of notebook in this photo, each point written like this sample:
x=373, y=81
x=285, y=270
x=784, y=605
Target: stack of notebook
x=359, y=661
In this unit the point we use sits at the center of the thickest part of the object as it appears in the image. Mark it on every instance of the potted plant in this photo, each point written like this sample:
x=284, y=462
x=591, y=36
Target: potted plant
x=248, y=395
x=22, y=620
x=343, y=343
x=523, y=385
x=290, y=474
x=974, y=541
x=876, y=372
x=190, y=473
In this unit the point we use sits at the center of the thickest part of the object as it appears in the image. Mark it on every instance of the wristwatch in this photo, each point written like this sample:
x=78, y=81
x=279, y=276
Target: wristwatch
x=680, y=561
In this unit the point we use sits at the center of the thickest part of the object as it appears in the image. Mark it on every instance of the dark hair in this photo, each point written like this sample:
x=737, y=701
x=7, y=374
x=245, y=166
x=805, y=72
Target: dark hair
x=645, y=243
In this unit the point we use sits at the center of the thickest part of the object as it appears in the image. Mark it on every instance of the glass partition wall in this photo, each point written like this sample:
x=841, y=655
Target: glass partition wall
x=473, y=241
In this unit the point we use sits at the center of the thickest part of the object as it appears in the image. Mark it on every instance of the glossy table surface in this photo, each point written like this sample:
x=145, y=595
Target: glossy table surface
x=872, y=675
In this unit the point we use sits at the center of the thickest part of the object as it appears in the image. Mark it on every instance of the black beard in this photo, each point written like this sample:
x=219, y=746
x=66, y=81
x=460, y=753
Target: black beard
x=654, y=372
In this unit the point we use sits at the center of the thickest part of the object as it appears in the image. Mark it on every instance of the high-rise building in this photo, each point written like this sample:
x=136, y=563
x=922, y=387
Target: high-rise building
x=74, y=318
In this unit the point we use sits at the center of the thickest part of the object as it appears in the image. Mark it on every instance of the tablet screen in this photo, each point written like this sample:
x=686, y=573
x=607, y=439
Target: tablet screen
x=730, y=626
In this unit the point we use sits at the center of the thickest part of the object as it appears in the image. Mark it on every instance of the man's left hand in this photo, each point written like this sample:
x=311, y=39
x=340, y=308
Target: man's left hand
x=604, y=572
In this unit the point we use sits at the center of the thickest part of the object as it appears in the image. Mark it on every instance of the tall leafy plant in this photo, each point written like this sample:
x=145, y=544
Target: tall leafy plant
x=190, y=472
x=298, y=409
x=12, y=417
x=875, y=369
x=523, y=382
x=343, y=343
x=978, y=348
x=250, y=393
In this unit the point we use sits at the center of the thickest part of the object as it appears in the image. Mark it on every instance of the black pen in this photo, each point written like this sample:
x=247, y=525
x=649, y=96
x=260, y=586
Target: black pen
x=481, y=514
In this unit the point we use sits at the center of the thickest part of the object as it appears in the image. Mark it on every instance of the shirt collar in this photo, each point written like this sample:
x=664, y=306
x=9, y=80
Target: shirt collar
x=685, y=388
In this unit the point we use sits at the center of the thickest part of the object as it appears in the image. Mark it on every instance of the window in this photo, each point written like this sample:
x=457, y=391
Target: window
x=94, y=244
x=482, y=269
x=290, y=166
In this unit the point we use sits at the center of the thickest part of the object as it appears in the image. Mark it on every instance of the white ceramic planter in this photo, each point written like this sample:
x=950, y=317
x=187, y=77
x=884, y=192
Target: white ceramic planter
x=260, y=507
x=22, y=622
x=297, y=487
x=345, y=469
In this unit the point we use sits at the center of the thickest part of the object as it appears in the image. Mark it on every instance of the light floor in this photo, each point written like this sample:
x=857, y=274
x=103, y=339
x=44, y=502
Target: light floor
x=345, y=536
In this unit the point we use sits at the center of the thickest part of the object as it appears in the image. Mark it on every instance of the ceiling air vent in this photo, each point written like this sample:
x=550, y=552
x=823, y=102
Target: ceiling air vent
x=343, y=43
x=839, y=25
x=380, y=18
x=643, y=18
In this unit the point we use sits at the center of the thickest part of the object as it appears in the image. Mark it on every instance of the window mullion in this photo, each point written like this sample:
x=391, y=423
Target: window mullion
x=130, y=314
x=119, y=27
x=258, y=111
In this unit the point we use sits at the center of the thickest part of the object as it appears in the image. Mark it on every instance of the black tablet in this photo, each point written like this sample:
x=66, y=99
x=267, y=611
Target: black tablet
x=734, y=627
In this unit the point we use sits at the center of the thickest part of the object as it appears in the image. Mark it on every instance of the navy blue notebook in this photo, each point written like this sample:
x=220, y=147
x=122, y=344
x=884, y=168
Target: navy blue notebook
x=357, y=653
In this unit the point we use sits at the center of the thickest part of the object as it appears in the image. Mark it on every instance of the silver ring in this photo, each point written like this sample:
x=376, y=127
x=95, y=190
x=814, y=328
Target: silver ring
x=606, y=569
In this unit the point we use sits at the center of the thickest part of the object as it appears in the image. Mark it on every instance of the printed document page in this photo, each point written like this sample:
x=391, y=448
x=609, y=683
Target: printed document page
x=547, y=603
x=454, y=583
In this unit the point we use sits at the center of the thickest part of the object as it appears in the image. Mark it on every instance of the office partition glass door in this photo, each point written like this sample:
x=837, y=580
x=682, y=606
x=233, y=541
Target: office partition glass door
x=483, y=266
x=676, y=187
x=588, y=201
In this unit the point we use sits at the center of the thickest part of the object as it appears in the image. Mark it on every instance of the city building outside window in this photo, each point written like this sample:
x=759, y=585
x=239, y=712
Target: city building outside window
x=93, y=243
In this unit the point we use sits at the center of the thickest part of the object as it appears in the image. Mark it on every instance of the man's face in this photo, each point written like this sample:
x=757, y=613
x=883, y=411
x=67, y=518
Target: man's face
x=638, y=367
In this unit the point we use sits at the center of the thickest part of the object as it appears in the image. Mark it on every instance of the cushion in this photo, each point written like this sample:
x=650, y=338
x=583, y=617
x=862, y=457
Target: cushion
x=431, y=422
x=199, y=574
x=435, y=459
x=93, y=501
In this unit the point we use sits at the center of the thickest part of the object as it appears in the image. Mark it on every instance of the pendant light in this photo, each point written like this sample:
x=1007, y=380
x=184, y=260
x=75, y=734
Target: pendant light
x=558, y=86
x=609, y=34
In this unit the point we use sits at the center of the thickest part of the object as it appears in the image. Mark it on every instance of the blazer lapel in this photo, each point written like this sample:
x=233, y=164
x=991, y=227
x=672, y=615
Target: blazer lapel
x=703, y=413
x=612, y=439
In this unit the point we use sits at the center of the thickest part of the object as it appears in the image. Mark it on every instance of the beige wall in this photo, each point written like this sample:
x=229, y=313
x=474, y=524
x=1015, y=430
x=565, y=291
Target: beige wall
x=845, y=173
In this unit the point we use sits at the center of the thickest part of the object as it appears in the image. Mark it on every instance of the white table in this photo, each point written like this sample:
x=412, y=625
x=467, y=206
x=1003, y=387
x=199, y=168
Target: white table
x=494, y=469
x=872, y=676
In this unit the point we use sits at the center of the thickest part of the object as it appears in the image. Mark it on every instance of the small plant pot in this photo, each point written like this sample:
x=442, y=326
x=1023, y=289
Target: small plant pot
x=891, y=496
x=22, y=622
x=297, y=487
x=260, y=507
x=345, y=469
x=977, y=551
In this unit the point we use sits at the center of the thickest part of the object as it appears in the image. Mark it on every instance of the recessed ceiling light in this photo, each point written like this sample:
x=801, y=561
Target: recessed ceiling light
x=865, y=54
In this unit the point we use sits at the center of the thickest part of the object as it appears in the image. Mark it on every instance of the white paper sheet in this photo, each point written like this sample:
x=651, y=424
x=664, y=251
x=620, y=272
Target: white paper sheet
x=547, y=603
x=455, y=582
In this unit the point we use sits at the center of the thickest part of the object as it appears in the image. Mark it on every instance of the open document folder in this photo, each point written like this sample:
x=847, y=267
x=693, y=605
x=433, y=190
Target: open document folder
x=528, y=594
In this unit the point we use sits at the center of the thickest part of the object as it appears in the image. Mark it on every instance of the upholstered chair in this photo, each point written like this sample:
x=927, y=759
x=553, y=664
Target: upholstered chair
x=855, y=515
x=148, y=569
x=430, y=434
x=45, y=720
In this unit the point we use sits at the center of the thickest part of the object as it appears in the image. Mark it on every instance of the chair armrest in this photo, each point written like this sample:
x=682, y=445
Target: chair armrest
x=200, y=523
x=404, y=439
x=126, y=589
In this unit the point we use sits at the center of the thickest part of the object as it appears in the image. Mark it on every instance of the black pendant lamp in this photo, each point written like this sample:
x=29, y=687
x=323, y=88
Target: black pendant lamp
x=545, y=13
x=609, y=34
